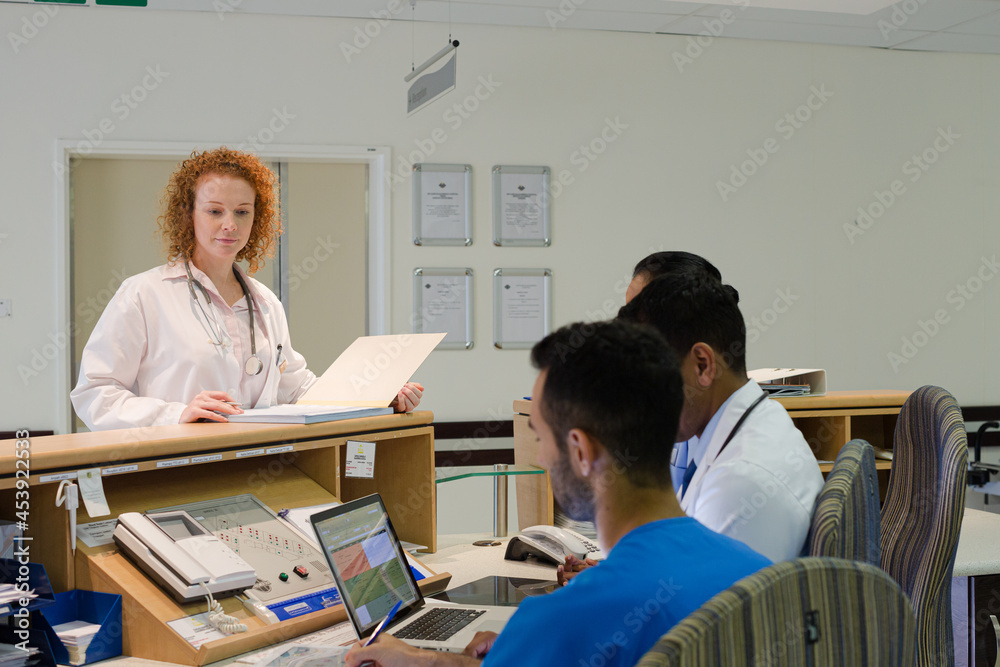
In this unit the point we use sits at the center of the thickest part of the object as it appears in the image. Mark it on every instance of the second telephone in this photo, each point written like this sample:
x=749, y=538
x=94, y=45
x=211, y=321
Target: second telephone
x=553, y=544
x=181, y=555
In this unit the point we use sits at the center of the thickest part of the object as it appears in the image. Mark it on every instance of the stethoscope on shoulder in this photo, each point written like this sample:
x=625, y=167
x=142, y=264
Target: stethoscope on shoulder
x=253, y=365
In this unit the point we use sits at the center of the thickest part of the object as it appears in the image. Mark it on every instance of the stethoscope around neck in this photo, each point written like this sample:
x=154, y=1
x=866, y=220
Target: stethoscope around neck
x=253, y=365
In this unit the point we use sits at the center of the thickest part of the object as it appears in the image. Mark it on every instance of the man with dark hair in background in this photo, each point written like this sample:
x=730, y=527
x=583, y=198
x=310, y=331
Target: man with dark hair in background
x=750, y=473
x=607, y=397
x=661, y=263
x=650, y=268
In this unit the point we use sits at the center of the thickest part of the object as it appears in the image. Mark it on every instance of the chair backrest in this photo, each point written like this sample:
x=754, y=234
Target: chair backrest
x=922, y=514
x=810, y=612
x=846, y=523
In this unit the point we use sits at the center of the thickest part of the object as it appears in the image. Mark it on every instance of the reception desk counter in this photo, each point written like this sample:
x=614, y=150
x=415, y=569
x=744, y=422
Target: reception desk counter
x=285, y=466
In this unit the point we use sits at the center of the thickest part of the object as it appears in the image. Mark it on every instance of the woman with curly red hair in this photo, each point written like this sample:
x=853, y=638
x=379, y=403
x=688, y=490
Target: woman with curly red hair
x=197, y=337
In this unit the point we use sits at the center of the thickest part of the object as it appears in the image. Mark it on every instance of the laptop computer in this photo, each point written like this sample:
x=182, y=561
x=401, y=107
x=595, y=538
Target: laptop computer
x=372, y=574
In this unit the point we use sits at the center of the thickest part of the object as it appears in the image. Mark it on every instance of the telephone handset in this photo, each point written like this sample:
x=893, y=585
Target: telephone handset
x=181, y=555
x=551, y=543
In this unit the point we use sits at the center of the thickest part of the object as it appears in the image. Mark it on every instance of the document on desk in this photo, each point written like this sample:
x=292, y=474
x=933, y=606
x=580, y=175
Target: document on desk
x=340, y=635
x=309, y=656
x=371, y=371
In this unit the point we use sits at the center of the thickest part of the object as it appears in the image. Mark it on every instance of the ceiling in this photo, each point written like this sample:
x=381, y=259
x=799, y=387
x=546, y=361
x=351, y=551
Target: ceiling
x=968, y=26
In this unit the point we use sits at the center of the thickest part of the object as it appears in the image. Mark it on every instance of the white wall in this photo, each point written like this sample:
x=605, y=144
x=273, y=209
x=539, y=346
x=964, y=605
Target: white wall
x=654, y=187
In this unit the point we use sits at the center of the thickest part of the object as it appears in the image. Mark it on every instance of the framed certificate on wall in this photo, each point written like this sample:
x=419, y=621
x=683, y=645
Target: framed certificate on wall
x=442, y=303
x=521, y=211
x=522, y=307
x=442, y=204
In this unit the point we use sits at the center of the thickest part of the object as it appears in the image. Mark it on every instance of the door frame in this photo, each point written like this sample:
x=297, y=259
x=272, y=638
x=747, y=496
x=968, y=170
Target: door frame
x=378, y=159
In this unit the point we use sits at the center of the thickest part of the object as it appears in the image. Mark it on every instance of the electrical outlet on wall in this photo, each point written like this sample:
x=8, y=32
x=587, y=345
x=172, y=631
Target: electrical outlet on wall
x=5, y=308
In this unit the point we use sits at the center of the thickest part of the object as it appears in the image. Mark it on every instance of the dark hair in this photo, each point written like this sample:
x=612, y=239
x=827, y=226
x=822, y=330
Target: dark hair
x=692, y=306
x=620, y=383
x=671, y=261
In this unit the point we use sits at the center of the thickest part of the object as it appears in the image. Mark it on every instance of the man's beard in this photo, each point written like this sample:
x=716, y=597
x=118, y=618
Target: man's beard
x=573, y=494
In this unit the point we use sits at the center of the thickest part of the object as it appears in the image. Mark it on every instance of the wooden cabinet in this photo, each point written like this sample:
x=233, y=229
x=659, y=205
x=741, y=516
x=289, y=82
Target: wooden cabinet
x=827, y=422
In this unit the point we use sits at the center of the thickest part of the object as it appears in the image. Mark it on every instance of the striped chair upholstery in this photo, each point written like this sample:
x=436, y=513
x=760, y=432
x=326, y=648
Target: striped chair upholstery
x=845, y=523
x=922, y=514
x=804, y=612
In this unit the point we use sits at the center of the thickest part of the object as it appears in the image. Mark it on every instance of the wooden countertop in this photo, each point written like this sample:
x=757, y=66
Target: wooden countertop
x=81, y=449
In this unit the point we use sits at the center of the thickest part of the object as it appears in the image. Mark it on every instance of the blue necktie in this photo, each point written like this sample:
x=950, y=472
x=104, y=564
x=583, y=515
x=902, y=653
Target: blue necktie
x=688, y=474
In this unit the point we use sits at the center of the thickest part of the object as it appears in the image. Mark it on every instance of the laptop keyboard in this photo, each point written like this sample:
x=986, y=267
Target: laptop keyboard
x=438, y=624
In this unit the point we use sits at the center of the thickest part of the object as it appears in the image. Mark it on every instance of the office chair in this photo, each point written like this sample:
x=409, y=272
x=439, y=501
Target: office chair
x=923, y=512
x=846, y=521
x=808, y=612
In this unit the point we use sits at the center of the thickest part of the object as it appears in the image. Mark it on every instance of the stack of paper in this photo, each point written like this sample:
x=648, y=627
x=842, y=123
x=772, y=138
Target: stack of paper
x=305, y=414
x=11, y=656
x=76, y=637
x=790, y=381
x=10, y=593
x=11, y=596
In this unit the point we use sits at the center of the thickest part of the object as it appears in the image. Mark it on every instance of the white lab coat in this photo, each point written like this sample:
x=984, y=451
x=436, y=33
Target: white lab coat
x=761, y=490
x=151, y=353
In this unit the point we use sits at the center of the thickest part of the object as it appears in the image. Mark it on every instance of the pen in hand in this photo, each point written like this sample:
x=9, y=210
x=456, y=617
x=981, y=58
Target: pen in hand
x=384, y=623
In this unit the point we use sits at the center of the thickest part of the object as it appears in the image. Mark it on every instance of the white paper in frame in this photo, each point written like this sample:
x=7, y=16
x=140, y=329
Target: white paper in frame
x=522, y=211
x=442, y=204
x=442, y=303
x=522, y=307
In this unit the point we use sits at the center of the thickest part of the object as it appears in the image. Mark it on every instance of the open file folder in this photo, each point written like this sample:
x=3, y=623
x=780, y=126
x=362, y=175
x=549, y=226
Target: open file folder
x=362, y=382
x=790, y=381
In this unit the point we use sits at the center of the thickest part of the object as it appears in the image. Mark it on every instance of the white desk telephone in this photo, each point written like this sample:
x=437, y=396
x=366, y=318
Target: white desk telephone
x=181, y=555
x=551, y=543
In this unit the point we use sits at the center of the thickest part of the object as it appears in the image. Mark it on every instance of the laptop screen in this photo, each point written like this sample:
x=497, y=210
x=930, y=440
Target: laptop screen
x=366, y=560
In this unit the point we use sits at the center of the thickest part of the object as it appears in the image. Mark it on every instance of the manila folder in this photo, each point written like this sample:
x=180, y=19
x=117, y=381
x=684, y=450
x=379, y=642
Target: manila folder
x=371, y=371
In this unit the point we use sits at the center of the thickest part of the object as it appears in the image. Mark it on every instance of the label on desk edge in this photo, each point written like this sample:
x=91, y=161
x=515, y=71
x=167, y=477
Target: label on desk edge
x=360, y=460
x=250, y=452
x=172, y=464
x=58, y=477
x=280, y=450
x=206, y=458
x=117, y=470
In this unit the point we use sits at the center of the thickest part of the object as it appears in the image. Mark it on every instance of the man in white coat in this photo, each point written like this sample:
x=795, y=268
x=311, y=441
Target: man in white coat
x=750, y=473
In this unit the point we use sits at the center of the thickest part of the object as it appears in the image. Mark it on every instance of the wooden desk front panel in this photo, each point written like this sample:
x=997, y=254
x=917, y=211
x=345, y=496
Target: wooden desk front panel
x=224, y=469
x=534, y=492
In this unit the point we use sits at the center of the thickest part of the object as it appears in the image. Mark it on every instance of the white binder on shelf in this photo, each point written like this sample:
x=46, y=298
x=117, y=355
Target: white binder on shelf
x=790, y=381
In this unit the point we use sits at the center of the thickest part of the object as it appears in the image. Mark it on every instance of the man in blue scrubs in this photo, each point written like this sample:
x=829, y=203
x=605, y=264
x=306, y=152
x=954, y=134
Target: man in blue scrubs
x=607, y=398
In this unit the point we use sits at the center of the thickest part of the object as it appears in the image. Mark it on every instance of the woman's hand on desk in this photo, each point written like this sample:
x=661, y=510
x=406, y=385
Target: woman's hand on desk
x=571, y=568
x=207, y=405
x=387, y=651
x=408, y=397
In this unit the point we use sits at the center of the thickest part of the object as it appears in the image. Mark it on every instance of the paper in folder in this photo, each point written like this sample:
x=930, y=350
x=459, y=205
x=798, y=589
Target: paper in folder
x=790, y=381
